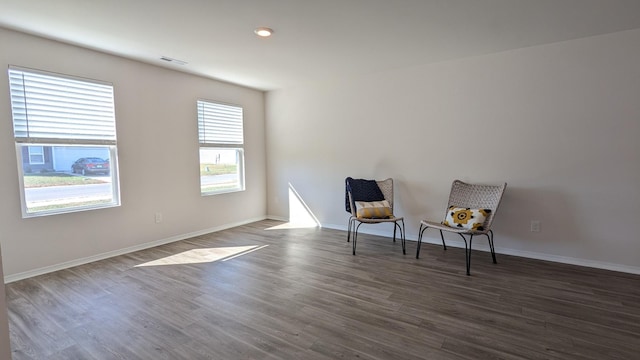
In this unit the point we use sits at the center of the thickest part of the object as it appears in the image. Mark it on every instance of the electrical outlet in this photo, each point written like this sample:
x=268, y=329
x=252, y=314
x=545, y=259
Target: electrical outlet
x=158, y=218
x=535, y=225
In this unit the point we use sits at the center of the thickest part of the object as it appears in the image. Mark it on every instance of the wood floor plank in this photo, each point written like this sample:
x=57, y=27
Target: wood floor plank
x=260, y=292
x=74, y=352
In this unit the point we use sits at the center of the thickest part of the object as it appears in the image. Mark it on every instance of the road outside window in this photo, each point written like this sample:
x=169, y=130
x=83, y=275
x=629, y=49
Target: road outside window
x=221, y=138
x=65, y=136
x=80, y=178
x=219, y=170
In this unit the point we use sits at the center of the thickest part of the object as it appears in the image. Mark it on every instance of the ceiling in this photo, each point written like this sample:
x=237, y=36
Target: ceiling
x=314, y=39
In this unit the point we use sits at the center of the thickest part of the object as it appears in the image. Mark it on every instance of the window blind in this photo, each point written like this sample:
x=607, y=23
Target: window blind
x=219, y=124
x=57, y=109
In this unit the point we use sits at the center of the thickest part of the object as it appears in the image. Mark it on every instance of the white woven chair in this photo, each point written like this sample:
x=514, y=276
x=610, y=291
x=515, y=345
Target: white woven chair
x=471, y=196
x=386, y=187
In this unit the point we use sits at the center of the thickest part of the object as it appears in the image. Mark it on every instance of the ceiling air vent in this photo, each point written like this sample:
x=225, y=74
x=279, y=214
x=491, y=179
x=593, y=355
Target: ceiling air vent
x=174, y=61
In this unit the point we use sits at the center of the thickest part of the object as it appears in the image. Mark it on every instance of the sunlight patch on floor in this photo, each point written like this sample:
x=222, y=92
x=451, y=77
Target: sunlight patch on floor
x=300, y=216
x=205, y=255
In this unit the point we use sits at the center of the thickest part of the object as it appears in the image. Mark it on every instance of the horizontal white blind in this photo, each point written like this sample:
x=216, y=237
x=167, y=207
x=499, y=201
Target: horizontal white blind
x=48, y=108
x=219, y=124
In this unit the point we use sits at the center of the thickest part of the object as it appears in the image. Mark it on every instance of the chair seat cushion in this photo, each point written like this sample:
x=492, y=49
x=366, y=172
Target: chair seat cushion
x=373, y=209
x=466, y=218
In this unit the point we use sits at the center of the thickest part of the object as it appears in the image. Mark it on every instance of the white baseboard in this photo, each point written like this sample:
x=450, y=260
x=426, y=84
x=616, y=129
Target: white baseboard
x=106, y=255
x=276, y=217
x=483, y=246
x=450, y=242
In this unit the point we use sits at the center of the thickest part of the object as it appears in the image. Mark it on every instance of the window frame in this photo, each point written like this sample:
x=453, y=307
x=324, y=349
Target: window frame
x=234, y=140
x=22, y=104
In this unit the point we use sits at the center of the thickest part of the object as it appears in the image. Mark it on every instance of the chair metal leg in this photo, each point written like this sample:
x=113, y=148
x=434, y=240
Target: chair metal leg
x=352, y=231
x=493, y=250
x=402, y=236
x=395, y=224
x=420, y=232
x=355, y=236
x=442, y=237
x=467, y=252
x=467, y=245
x=404, y=239
x=469, y=256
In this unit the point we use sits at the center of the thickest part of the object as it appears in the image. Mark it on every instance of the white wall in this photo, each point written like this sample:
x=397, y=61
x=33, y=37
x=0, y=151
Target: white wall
x=157, y=132
x=560, y=123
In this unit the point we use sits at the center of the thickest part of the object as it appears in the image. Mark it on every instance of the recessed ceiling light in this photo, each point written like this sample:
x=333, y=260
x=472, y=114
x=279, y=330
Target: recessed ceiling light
x=263, y=31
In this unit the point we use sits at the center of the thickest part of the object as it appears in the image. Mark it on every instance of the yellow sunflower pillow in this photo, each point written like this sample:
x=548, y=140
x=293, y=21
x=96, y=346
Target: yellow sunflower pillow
x=373, y=209
x=466, y=218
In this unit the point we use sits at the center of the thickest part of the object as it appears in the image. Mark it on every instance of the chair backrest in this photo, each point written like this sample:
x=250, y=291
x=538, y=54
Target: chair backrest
x=476, y=196
x=386, y=187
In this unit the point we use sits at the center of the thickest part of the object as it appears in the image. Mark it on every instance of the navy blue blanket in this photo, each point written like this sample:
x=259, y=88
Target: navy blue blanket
x=361, y=190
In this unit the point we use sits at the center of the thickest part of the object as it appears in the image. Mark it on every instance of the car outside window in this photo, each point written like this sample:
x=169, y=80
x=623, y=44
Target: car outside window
x=65, y=138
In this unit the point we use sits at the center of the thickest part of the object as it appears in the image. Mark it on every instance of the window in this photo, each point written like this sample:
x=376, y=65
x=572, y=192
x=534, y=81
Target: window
x=221, y=148
x=65, y=135
x=36, y=155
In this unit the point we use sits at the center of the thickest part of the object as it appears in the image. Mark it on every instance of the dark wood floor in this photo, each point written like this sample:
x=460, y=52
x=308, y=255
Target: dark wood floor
x=300, y=294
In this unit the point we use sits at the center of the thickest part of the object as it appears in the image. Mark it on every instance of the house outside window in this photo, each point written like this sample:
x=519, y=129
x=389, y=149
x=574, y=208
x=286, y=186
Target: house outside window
x=221, y=138
x=65, y=138
x=36, y=155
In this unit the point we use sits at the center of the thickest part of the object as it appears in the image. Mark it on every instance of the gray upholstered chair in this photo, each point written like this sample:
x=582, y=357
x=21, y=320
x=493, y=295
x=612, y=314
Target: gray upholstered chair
x=468, y=196
x=355, y=221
